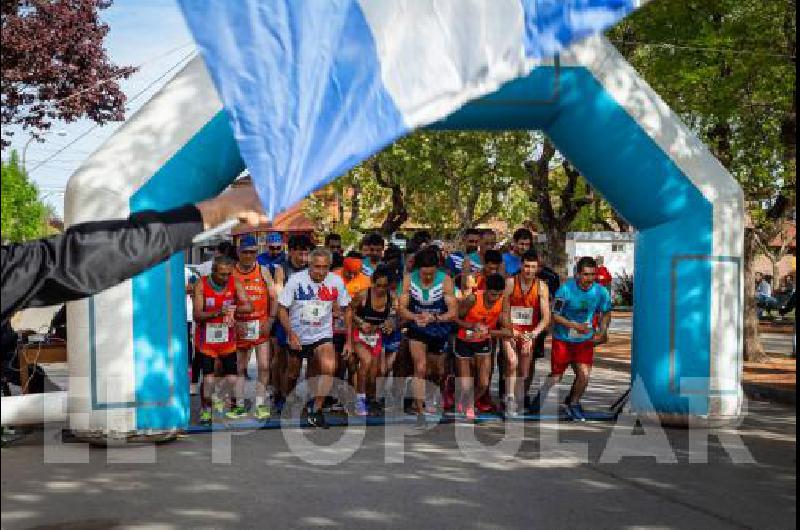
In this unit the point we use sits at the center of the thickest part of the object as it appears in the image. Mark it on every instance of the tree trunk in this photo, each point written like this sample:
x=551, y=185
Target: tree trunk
x=355, y=206
x=555, y=251
x=398, y=214
x=753, y=349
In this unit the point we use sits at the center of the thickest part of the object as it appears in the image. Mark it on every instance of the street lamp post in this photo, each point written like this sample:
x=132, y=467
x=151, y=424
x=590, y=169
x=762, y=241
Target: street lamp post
x=28, y=143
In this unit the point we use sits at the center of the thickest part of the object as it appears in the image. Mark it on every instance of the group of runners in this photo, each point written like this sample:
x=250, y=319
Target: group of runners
x=429, y=322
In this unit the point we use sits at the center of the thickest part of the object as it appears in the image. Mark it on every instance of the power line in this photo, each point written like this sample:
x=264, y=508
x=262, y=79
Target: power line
x=118, y=77
x=131, y=100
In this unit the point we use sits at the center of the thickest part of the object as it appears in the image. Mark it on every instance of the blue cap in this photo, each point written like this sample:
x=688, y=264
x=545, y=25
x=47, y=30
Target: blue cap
x=248, y=241
x=273, y=238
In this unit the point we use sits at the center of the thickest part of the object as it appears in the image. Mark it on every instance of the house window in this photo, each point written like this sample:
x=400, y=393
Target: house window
x=617, y=247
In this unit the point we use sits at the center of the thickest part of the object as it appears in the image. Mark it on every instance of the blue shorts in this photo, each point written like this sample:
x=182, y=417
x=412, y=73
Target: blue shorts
x=391, y=342
x=280, y=334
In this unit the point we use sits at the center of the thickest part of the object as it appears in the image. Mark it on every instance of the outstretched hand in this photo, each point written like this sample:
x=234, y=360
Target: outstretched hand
x=239, y=202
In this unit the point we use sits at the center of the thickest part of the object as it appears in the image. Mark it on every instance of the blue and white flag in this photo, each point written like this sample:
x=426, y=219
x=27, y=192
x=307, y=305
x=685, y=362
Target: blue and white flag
x=313, y=87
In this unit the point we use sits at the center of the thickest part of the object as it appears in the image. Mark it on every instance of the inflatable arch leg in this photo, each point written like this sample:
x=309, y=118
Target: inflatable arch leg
x=688, y=211
x=127, y=345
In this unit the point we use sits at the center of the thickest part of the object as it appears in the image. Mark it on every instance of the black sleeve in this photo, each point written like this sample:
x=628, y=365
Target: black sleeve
x=91, y=257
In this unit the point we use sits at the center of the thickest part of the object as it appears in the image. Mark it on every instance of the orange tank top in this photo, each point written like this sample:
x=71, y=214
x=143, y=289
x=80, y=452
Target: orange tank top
x=480, y=314
x=256, y=289
x=213, y=336
x=525, y=310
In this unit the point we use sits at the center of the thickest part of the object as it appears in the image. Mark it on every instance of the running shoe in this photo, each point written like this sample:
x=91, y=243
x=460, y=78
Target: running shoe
x=317, y=419
x=575, y=412
x=361, y=407
x=218, y=406
x=236, y=413
x=485, y=405
x=470, y=415
x=510, y=407
x=263, y=412
x=205, y=417
x=535, y=406
x=421, y=420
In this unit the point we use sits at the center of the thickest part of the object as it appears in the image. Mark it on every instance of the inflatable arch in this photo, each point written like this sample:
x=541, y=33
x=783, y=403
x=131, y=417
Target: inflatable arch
x=127, y=345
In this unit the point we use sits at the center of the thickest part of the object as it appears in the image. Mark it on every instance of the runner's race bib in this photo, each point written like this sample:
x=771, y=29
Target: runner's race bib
x=370, y=339
x=522, y=316
x=216, y=333
x=314, y=312
x=250, y=329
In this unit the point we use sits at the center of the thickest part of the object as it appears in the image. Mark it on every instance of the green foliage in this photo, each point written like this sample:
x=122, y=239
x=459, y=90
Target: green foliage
x=23, y=214
x=728, y=68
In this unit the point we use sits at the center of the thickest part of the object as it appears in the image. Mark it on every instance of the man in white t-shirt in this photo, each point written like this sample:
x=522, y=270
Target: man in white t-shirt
x=306, y=307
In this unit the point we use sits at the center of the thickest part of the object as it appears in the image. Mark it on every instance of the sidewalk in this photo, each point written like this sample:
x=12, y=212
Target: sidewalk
x=772, y=380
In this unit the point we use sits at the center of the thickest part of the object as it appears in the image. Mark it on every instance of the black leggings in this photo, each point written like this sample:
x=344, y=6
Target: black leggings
x=195, y=360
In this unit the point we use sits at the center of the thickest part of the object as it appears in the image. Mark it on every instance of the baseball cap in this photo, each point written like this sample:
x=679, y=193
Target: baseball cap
x=248, y=241
x=274, y=238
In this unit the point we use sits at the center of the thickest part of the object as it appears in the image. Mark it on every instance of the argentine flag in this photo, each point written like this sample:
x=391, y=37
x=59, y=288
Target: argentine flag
x=313, y=87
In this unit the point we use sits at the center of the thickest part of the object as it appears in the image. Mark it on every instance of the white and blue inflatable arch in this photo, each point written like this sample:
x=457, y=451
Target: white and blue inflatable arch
x=127, y=346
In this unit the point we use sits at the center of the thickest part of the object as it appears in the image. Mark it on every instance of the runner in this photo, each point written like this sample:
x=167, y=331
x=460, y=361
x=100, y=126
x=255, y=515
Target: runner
x=253, y=328
x=355, y=281
x=574, y=339
x=307, y=304
x=372, y=249
x=492, y=264
x=297, y=261
x=523, y=242
x=371, y=322
x=333, y=242
x=474, y=262
x=217, y=298
x=274, y=256
x=529, y=301
x=470, y=242
x=428, y=304
x=483, y=316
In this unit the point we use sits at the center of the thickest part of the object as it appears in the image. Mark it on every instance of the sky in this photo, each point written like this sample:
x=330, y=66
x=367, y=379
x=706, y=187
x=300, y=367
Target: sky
x=150, y=33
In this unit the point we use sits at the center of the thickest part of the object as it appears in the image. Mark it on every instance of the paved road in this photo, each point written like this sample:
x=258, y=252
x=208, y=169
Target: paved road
x=266, y=485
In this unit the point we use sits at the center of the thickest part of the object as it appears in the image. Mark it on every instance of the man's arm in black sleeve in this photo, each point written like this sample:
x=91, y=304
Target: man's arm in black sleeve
x=91, y=257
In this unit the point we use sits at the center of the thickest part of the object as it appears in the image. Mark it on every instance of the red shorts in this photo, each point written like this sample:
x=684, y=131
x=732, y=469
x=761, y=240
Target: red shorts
x=566, y=353
x=374, y=349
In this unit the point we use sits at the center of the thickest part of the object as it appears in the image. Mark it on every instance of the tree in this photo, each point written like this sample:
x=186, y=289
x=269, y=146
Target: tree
x=728, y=68
x=24, y=216
x=560, y=194
x=54, y=65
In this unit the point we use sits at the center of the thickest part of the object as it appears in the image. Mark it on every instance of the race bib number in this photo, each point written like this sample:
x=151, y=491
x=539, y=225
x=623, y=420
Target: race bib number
x=250, y=330
x=522, y=316
x=216, y=333
x=314, y=312
x=370, y=339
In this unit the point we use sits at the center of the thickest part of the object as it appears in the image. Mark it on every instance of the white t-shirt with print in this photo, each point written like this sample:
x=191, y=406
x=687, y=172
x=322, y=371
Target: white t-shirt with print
x=310, y=304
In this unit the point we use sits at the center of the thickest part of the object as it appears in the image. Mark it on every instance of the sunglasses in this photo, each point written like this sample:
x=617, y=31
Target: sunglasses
x=275, y=249
x=248, y=251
